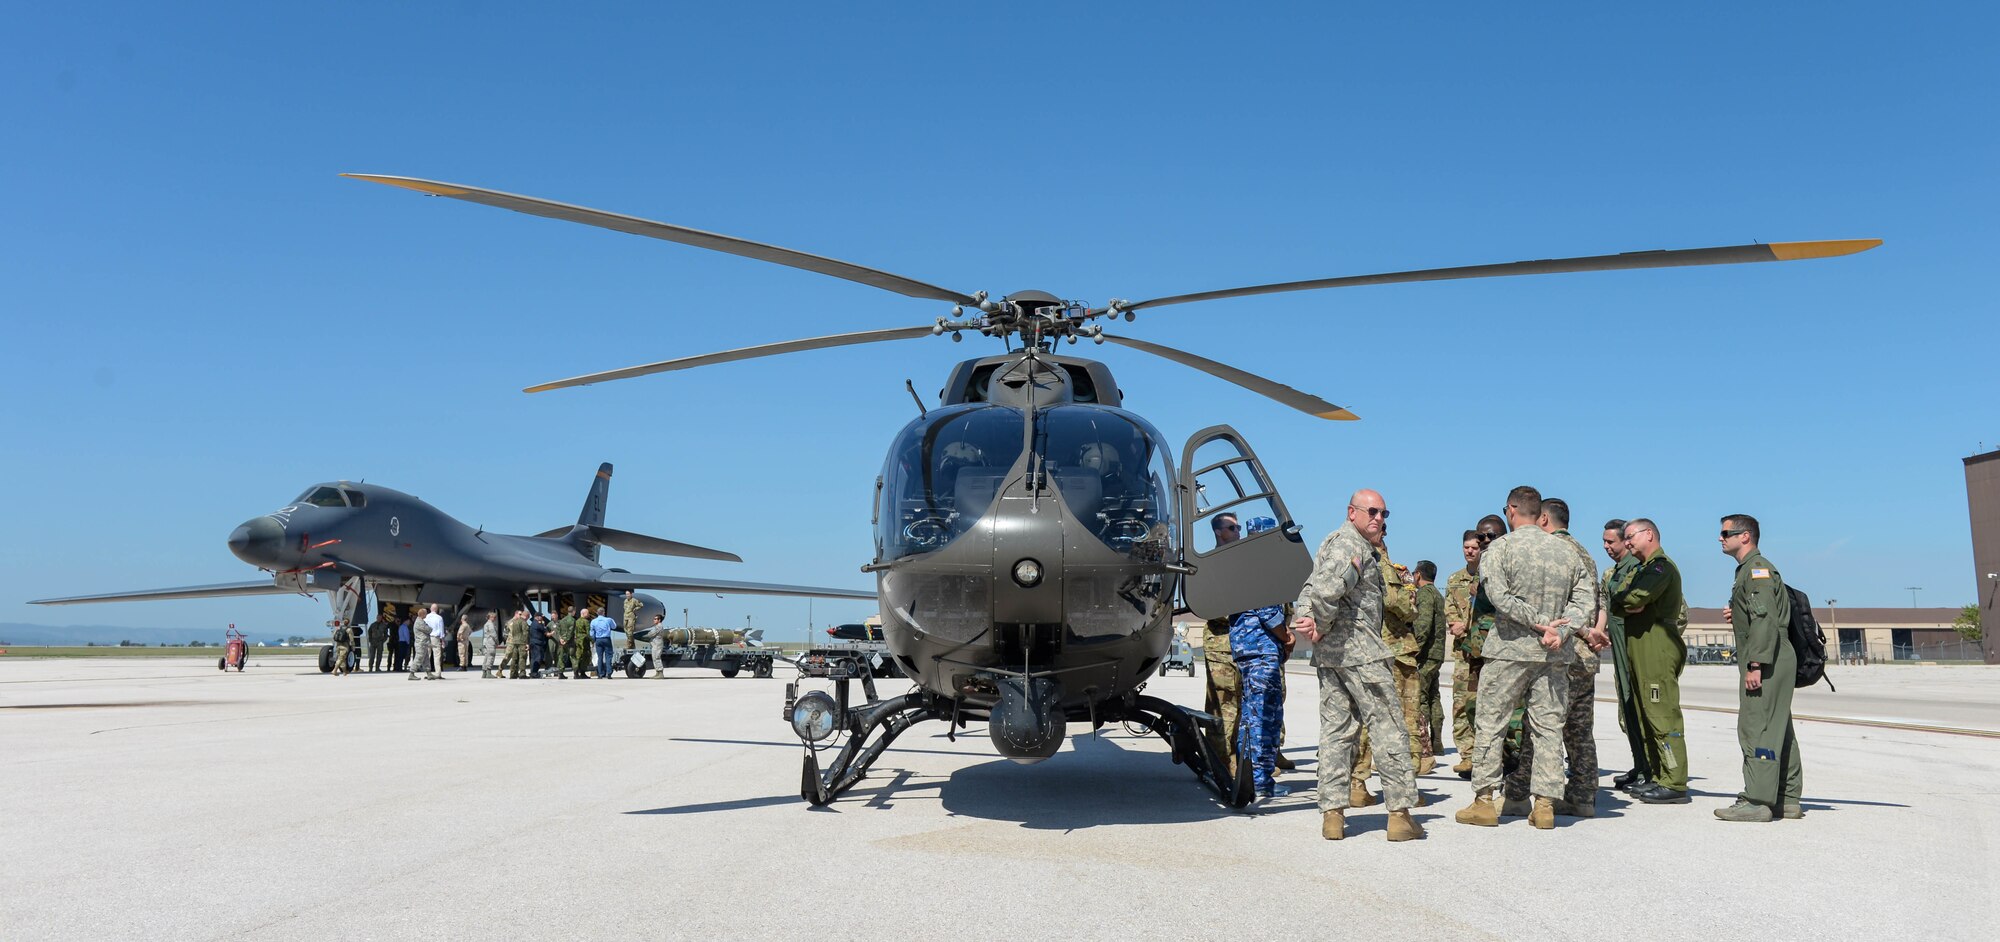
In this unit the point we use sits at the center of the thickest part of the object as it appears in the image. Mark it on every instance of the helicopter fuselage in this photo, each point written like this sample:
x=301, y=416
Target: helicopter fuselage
x=1025, y=542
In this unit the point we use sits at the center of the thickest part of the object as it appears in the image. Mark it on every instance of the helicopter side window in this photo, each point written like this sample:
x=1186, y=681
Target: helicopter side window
x=323, y=497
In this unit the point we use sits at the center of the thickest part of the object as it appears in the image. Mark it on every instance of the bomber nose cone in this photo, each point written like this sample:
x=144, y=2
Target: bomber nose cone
x=257, y=541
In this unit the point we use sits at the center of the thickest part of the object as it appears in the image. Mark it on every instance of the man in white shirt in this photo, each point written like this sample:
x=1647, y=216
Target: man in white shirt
x=435, y=622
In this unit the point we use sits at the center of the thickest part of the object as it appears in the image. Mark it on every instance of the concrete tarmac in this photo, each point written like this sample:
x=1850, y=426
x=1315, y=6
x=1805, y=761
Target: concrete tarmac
x=161, y=799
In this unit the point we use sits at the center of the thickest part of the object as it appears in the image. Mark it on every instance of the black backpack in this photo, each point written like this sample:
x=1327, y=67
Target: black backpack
x=1808, y=642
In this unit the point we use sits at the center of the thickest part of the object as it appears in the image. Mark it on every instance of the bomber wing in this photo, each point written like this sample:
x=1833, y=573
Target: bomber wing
x=219, y=590
x=626, y=580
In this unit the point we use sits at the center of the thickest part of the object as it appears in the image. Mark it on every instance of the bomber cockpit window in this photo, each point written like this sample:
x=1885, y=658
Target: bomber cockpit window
x=942, y=474
x=323, y=497
x=354, y=498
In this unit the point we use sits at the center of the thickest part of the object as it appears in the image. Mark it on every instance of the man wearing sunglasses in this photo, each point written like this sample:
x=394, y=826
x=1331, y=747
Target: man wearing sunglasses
x=1655, y=611
x=1760, y=612
x=1541, y=592
x=1339, y=612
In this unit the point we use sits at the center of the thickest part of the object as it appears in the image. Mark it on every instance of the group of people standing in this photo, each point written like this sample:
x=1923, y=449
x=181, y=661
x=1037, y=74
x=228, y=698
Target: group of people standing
x=1528, y=621
x=579, y=644
x=576, y=645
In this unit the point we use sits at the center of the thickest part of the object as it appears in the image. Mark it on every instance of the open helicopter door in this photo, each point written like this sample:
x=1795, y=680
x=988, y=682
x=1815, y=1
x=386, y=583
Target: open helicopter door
x=1235, y=570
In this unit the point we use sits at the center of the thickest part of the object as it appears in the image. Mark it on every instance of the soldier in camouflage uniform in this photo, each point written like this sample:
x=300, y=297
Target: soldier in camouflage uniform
x=1339, y=612
x=343, y=645
x=1579, y=723
x=1468, y=630
x=1431, y=637
x=631, y=622
x=1655, y=615
x=517, y=645
x=1399, y=619
x=1225, y=685
x=1538, y=589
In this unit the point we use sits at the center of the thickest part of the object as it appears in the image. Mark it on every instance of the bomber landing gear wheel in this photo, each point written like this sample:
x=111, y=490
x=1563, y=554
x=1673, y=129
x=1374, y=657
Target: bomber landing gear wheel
x=326, y=659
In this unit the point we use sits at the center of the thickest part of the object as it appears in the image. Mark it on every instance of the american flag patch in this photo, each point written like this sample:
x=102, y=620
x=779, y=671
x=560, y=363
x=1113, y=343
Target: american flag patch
x=1760, y=573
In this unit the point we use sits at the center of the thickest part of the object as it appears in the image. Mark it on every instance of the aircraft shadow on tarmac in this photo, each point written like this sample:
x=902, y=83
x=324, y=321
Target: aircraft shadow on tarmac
x=1097, y=782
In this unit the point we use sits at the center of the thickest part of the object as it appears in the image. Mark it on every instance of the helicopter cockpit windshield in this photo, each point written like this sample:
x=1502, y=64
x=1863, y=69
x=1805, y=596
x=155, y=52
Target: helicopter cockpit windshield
x=943, y=473
x=1112, y=468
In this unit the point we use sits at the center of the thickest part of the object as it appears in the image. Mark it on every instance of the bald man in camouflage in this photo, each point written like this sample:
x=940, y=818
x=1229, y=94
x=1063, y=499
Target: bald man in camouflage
x=1339, y=612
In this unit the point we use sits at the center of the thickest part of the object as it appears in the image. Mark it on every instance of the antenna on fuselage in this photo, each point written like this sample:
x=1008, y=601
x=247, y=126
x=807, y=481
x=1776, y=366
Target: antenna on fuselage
x=912, y=387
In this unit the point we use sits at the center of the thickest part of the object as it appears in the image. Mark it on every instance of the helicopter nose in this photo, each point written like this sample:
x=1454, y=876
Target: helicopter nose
x=257, y=541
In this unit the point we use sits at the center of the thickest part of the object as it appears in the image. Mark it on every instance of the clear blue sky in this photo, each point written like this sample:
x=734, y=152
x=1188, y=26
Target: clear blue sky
x=204, y=318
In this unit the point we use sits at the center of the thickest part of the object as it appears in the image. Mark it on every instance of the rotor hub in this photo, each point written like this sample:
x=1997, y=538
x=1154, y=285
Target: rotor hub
x=1035, y=318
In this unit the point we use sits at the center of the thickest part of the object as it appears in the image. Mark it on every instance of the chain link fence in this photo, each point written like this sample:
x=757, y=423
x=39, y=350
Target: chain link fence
x=1948, y=651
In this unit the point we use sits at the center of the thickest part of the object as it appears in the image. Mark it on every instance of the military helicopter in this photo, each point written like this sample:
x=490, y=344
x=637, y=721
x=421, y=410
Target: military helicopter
x=1032, y=534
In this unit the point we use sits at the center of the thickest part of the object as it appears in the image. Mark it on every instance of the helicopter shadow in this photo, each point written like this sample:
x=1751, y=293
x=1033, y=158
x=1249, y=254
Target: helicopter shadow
x=1097, y=782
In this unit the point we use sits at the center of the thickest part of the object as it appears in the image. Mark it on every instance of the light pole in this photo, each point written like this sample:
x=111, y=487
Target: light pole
x=1833, y=618
x=1914, y=589
x=684, y=618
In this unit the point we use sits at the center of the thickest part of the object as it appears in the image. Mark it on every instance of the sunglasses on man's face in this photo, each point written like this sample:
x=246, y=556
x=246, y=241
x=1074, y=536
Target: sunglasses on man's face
x=1726, y=534
x=1374, y=512
x=1485, y=538
x=1229, y=528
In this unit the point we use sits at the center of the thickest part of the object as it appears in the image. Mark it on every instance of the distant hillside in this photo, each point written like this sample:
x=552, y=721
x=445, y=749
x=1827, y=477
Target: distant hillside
x=18, y=633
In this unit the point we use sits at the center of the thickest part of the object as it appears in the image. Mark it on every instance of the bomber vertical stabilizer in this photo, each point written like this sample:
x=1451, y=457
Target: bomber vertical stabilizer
x=593, y=511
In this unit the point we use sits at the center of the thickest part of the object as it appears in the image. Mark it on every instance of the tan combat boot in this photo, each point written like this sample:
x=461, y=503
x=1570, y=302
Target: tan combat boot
x=1401, y=828
x=1480, y=813
x=1357, y=795
x=1463, y=768
x=1575, y=809
x=1544, y=815
x=1333, y=825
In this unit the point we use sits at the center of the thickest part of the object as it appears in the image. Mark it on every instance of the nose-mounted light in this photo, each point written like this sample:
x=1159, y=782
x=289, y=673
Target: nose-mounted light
x=1028, y=573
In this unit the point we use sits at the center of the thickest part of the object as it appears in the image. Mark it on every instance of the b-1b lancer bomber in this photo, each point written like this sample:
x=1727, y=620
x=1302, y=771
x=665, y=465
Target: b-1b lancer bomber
x=345, y=539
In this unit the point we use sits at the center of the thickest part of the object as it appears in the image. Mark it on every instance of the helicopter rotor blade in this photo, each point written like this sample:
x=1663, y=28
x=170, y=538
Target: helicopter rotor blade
x=1304, y=402
x=1656, y=258
x=716, y=242
x=746, y=353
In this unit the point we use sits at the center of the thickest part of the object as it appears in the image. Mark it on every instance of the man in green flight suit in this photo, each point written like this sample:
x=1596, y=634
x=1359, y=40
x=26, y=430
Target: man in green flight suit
x=579, y=643
x=1654, y=611
x=1431, y=637
x=563, y=656
x=1760, y=612
x=1622, y=564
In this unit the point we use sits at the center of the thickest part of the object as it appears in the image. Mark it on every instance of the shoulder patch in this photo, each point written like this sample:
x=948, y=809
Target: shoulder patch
x=1760, y=573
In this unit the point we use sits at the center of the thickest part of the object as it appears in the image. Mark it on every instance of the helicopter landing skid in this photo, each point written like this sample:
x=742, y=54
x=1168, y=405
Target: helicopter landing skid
x=873, y=727
x=864, y=744
x=1188, y=734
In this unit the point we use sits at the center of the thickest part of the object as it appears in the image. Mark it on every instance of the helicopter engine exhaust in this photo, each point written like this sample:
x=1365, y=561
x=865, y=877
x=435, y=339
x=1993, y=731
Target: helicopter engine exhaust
x=1025, y=724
